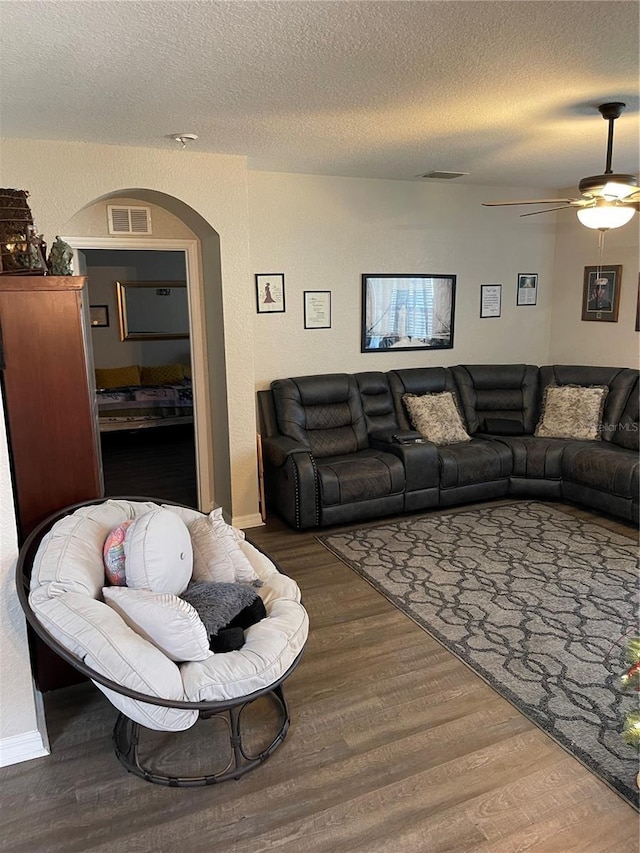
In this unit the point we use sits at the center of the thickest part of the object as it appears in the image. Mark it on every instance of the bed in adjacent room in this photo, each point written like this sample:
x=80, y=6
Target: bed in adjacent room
x=138, y=397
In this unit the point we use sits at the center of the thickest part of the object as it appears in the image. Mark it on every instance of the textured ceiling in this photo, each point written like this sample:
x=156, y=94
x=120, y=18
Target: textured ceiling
x=504, y=90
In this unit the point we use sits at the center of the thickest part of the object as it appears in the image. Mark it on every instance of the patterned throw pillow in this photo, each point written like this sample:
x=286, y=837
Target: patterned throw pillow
x=113, y=555
x=572, y=411
x=163, y=374
x=436, y=417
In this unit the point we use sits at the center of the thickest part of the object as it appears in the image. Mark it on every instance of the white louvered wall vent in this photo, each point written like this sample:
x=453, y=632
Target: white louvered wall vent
x=129, y=220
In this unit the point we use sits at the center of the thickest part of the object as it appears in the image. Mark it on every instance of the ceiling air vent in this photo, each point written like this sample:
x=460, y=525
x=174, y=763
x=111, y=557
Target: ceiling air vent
x=444, y=175
x=129, y=220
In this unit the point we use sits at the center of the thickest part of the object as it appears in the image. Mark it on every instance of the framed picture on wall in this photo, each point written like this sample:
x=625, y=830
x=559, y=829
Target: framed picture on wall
x=317, y=309
x=407, y=312
x=527, y=293
x=270, y=293
x=601, y=293
x=490, y=300
x=99, y=315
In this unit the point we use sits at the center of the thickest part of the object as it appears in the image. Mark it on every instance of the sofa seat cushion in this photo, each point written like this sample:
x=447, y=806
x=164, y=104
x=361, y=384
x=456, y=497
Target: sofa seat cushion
x=471, y=462
x=605, y=467
x=538, y=458
x=360, y=476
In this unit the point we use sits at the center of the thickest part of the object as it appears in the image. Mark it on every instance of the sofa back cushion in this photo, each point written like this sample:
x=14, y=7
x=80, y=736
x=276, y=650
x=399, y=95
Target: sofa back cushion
x=628, y=427
x=417, y=381
x=620, y=381
x=498, y=398
x=377, y=401
x=323, y=412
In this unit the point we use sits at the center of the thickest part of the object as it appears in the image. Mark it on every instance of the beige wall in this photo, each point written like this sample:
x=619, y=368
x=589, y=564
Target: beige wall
x=324, y=232
x=92, y=221
x=63, y=178
x=577, y=341
x=19, y=736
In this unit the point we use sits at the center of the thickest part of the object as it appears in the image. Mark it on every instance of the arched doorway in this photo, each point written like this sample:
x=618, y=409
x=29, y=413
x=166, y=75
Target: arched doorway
x=206, y=320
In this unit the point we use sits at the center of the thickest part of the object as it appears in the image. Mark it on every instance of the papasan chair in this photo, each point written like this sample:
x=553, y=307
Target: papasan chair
x=145, y=647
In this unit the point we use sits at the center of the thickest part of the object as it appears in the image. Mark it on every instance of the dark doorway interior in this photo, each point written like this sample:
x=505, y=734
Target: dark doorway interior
x=154, y=463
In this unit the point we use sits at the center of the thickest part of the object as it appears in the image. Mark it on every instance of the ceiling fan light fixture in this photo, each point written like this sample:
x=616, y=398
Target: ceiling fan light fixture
x=604, y=216
x=616, y=190
x=608, y=184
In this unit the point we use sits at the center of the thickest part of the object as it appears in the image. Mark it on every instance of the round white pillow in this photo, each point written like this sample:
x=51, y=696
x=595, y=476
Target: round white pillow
x=158, y=552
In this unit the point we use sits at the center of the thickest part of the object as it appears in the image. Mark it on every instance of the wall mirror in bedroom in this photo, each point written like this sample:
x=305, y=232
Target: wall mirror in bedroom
x=152, y=310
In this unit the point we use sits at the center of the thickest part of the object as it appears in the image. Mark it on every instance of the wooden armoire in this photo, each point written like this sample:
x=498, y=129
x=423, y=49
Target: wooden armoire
x=50, y=410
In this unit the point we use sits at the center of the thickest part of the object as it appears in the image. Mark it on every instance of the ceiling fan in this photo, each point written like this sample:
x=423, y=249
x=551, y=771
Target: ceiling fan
x=608, y=200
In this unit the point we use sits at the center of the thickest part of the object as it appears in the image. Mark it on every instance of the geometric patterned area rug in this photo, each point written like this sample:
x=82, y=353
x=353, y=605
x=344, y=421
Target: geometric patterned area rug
x=535, y=601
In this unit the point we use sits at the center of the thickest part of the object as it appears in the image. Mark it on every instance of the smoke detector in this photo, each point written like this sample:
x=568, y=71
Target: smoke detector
x=183, y=138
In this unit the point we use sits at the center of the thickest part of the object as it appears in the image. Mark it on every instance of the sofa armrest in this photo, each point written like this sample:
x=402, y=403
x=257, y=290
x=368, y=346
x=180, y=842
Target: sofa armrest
x=277, y=448
x=398, y=436
x=291, y=481
x=419, y=457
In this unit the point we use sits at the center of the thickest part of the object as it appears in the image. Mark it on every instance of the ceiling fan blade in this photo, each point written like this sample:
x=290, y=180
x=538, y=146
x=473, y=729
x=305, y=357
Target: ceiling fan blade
x=529, y=201
x=547, y=210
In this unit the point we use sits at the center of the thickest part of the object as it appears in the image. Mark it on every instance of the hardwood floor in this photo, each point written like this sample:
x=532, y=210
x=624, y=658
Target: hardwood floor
x=395, y=747
x=157, y=463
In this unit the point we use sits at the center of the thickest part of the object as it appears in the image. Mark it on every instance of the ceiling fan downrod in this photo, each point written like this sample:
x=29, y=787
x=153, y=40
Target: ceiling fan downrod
x=610, y=112
x=593, y=185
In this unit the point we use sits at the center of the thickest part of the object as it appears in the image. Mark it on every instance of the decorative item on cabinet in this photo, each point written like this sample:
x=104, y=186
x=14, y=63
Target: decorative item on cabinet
x=22, y=249
x=60, y=258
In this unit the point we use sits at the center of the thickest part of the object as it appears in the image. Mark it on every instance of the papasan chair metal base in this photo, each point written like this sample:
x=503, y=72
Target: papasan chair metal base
x=126, y=738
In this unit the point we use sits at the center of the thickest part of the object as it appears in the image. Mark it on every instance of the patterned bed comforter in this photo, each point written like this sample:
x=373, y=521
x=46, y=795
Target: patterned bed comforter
x=137, y=403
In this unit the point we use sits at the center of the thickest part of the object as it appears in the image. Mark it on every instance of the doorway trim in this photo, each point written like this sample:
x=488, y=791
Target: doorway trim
x=200, y=379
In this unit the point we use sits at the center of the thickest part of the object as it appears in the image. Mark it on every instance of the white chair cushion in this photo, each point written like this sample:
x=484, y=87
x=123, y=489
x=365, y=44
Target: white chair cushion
x=98, y=635
x=170, y=623
x=211, y=562
x=217, y=552
x=158, y=553
x=270, y=647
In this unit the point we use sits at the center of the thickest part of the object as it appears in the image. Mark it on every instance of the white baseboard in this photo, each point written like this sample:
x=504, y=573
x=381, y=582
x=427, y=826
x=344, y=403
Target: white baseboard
x=243, y=521
x=28, y=745
x=22, y=747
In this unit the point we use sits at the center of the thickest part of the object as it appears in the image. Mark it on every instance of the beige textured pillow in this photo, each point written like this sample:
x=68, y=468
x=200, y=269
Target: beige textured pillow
x=572, y=411
x=436, y=417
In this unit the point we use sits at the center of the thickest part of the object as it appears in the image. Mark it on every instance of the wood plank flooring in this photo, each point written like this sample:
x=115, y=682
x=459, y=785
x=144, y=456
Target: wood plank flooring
x=158, y=462
x=395, y=747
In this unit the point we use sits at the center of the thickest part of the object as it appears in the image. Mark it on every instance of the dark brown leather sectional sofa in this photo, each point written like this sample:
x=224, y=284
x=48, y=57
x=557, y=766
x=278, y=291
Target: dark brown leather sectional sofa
x=339, y=448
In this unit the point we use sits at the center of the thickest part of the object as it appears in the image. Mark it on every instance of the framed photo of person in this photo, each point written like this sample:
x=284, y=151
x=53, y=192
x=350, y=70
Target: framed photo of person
x=527, y=288
x=601, y=293
x=490, y=300
x=270, y=293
